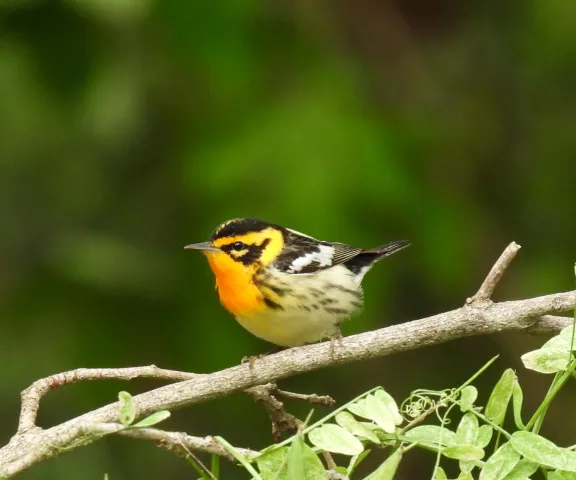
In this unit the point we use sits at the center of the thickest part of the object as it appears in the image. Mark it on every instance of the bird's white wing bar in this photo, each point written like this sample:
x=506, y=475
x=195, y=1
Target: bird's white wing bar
x=323, y=258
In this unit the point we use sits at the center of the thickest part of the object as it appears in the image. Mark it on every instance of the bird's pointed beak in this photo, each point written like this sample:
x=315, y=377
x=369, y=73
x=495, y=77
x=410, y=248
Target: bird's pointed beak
x=202, y=246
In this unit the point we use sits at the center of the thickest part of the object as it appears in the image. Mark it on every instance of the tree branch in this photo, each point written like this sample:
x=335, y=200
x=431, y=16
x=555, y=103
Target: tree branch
x=484, y=294
x=31, y=397
x=177, y=442
x=481, y=317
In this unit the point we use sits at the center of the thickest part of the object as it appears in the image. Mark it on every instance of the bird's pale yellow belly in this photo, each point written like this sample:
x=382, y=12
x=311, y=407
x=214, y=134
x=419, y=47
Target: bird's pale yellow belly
x=290, y=329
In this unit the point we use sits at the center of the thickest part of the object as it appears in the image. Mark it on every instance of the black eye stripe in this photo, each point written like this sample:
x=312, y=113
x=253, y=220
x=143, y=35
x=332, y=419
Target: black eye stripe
x=235, y=246
x=252, y=254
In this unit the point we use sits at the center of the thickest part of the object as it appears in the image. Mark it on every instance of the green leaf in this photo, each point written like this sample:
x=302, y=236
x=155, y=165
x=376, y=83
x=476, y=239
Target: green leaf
x=466, y=453
x=537, y=449
x=466, y=466
x=383, y=437
x=568, y=331
x=501, y=463
x=546, y=360
x=561, y=475
x=127, y=409
x=484, y=436
x=215, y=465
x=295, y=462
x=387, y=470
x=314, y=469
x=336, y=439
x=468, y=396
x=560, y=342
x=358, y=408
x=467, y=434
x=272, y=465
x=563, y=341
x=522, y=470
x=439, y=474
x=467, y=431
x=380, y=413
x=347, y=421
x=390, y=403
x=431, y=435
x=153, y=419
x=355, y=461
x=517, y=400
x=302, y=463
x=238, y=456
x=500, y=397
x=570, y=465
x=465, y=476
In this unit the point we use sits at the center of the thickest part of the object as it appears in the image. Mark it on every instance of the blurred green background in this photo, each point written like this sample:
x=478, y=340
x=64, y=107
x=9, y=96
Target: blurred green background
x=129, y=128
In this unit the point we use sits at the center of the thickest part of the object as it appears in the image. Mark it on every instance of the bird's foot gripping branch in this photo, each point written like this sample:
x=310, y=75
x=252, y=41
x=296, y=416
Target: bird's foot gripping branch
x=374, y=421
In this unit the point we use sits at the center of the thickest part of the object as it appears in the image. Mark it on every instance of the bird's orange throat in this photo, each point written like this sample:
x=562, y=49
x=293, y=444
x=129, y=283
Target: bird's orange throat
x=236, y=290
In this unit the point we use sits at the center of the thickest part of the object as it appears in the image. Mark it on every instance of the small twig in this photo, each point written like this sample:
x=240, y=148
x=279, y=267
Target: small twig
x=173, y=441
x=282, y=421
x=483, y=296
x=197, y=461
x=332, y=475
x=330, y=463
x=33, y=394
x=324, y=400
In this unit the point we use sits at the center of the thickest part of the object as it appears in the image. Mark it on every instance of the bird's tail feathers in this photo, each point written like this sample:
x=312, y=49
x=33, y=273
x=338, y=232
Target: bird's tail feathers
x=387, y=249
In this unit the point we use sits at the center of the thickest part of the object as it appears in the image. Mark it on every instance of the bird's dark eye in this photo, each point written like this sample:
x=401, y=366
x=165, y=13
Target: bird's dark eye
x=237, y=246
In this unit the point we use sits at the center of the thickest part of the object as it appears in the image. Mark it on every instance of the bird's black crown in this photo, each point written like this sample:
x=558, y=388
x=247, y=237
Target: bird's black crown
x=240, y=226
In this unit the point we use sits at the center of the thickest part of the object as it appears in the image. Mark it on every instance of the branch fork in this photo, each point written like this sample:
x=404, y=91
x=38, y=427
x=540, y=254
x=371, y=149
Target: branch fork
x=282, y=421
x=483, y=297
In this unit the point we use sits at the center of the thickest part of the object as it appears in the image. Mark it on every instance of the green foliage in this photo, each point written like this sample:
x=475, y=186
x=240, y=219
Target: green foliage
x=127, y=409
x=387, y=470
x=500, y=397
x=394, y=431
x=128, y=413
x=152, y=419
x=335, y=439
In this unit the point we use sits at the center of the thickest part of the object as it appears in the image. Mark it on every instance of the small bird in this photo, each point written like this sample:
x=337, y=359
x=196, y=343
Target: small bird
x=286, y=287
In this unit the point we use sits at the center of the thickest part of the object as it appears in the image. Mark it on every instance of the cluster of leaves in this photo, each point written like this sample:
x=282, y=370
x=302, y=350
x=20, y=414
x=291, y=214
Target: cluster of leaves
x=483, y=447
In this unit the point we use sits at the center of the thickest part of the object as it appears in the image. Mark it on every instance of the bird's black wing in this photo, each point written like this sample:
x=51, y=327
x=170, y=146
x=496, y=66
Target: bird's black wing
x=304, y=254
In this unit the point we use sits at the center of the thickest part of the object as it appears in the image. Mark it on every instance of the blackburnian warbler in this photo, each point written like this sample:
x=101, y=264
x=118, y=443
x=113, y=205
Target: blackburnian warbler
x=286, y=287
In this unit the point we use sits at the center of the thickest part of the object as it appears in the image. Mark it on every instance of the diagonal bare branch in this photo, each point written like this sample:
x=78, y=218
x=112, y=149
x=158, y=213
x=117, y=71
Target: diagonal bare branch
x=484, y=294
